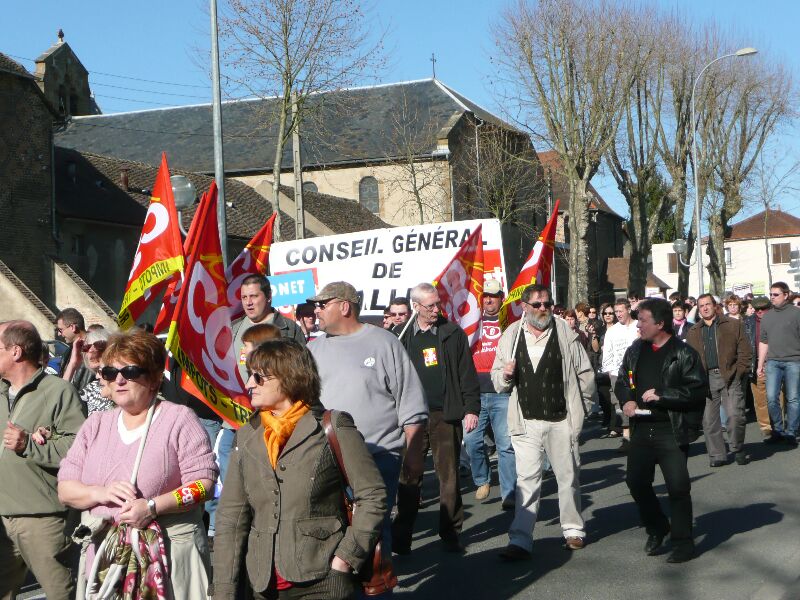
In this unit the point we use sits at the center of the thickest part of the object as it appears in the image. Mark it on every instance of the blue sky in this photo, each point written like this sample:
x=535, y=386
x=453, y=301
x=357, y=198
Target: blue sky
x=156, y=40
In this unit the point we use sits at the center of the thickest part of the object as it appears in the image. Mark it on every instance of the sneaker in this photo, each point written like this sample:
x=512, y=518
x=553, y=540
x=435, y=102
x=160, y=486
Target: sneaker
x=482, y=493
x=508, y=503
x=574, y=543
x=741, y=457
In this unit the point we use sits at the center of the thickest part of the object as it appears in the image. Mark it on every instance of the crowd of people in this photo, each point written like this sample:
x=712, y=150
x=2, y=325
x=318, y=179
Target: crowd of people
x=124, y=481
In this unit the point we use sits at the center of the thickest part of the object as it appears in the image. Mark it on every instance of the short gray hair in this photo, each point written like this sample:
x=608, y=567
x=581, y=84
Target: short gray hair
x=421, y=289
x=97, y=334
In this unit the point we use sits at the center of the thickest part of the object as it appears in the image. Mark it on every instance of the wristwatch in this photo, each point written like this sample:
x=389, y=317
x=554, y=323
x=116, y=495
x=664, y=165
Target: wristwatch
x=151, y=506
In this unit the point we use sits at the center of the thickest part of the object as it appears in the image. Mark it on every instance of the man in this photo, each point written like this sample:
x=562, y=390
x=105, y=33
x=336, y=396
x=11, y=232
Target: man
x=725, y=353
x=779, y=361
x=387, y=319
x=440, y=353
x=541, y=362
x=752, y=326
x=365, y=371
x=494, y=408
x=618, y=339
x=662, y=385
x=71, y=326
x=399, y=313
x=32, y=520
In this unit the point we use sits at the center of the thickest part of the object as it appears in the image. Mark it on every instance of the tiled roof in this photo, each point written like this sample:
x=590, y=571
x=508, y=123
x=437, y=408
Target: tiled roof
x=617, y=274
x=342, y=127
x=26, y=292
x=12, y=66
x=88, y=187
x=779, y=224
x=551, y=162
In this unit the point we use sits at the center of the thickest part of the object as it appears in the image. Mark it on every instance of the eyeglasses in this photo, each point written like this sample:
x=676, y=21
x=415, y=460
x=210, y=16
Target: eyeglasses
x=546, y=303
x=99, y=345
x=321, y=304
x=130, y=373
x=430, y=306
x=775, y=294
x=609, y=314
x=259, y=378
x=402, y=314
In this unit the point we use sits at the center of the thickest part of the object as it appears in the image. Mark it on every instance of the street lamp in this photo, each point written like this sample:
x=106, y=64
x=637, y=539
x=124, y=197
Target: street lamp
x=698, y=258
x=185, y=194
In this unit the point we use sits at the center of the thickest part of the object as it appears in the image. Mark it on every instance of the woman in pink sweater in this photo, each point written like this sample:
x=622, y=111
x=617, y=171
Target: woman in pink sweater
x=177, y=467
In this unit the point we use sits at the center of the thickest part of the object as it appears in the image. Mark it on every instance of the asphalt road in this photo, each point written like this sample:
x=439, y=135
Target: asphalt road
x=747, y=532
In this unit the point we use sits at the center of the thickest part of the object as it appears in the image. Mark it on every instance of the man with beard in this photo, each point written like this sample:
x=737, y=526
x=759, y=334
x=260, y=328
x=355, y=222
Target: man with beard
x=544, y=366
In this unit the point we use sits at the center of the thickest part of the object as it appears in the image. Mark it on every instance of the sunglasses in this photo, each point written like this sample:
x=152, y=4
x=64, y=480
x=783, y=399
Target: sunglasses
x=321, y=304
x=100, y=345
x=258, y=377
x=130, y=373
x=775, y=295
x=402, y=314
x=546, y=303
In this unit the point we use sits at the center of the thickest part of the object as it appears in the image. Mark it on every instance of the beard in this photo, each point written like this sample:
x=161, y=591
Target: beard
x=542, y=324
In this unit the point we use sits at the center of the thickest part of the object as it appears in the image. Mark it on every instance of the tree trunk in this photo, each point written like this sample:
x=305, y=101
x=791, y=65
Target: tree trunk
x=578, y=244
x=276, y=172
x=716, y=254
x=766, y=245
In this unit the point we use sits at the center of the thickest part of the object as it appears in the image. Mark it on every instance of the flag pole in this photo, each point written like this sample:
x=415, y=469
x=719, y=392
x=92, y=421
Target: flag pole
x=408, y=323
x=516, y=338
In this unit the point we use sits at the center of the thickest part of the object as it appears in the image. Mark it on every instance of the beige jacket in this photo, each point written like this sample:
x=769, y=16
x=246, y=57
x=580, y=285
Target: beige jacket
x=579, y=385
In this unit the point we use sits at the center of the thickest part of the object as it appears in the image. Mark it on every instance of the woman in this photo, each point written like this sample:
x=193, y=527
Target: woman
x=734, y=306
x=680, y=325
x=93, y=347
x=602, y=379
x=95, y=475
x=571, y=317
x=282, y=498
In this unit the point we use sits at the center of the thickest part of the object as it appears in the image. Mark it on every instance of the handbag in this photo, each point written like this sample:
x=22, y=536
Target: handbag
x=377, y=576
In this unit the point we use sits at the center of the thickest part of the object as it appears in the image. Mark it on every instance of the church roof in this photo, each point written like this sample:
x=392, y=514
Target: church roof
x=343, y=127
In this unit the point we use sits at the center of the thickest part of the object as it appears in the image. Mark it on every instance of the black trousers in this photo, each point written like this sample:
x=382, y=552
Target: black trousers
x=654, y=444
x=445, y=444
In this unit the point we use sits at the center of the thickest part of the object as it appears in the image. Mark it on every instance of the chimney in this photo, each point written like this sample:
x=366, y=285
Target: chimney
x=123, y=179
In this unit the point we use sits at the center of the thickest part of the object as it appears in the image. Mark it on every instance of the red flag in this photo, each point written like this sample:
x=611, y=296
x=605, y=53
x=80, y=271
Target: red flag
x=461, y=284
x=253, y=260
x=200, y=336
x=535, y=270
x=159, y=254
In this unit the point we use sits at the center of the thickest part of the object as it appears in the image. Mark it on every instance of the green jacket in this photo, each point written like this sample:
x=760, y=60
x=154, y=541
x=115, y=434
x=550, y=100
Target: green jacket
x=29, y=478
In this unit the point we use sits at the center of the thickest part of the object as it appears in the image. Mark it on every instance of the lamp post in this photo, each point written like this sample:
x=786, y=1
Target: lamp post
x=698, y=258
x=185, y=195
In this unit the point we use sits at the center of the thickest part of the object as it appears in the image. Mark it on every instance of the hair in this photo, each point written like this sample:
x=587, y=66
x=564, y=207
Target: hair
x=623, y=302
x=602, y=310
x=95, y=334
x=140, y=348
x=582, y=307
x=420, y=290
x=793, y=297
x=95, y=327
x=781, y=286
x=23, y=334
x=713, y=300
x=261, y=281
x=292, y=365
x=734, y=299
x=661, y=311
x=682, y=305
x=675, y=297
x=306, y=309
x=558, y=309
x=386, y=313
x=71, y=316
x=634, y=296
x=571, y=312
x=401, y=301
x=535, y=288
x=260, y=333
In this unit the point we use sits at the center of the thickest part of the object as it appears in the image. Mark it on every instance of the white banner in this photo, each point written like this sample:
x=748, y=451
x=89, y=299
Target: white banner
x=386, y=263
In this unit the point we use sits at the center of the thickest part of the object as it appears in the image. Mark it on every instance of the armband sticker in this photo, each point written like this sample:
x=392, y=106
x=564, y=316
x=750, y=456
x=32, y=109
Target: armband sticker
x=194, y=493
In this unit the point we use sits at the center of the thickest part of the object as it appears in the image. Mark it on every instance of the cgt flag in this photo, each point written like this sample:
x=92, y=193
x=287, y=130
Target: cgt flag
x=159, y=254
x=253, y=260
x=535, y=270
x=460, y=286
x=200, y=336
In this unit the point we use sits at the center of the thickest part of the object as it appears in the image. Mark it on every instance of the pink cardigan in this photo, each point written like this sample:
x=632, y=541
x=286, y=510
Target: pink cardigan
x=177, y=452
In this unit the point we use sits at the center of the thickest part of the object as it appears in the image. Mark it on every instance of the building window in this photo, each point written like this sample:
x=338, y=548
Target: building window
x=310, y=186
x=672, y=258
x=728, y=261
x=368, y=194
x=780, y=254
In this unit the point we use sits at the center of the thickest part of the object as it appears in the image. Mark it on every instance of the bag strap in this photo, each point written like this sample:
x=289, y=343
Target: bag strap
x=333, y=442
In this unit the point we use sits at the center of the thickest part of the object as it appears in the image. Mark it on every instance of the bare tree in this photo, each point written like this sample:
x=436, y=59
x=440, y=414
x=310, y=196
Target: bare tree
x=558, y=60
x=292, y=49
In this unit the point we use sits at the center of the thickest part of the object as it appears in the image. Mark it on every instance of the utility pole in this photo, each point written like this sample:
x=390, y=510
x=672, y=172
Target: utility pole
x=300, y=215
x=219, y=163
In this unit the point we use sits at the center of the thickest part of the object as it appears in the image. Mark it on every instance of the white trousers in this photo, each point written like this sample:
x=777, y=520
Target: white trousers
x=556, y=440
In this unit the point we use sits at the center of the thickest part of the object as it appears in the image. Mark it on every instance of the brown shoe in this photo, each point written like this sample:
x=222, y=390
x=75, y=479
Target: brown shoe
x=512, y=553
x=482, y=493
x=574, y=543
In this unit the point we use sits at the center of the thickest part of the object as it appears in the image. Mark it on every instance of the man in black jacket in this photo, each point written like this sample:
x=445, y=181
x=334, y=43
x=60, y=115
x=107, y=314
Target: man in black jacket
x=440, y=353
x=662, y=388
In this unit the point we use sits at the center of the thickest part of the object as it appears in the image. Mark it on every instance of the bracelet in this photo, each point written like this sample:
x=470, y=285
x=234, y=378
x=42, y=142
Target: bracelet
x=194, y=493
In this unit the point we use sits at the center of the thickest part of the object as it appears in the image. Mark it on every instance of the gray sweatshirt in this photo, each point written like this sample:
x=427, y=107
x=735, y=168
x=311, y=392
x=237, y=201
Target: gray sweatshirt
x=780, y=329
x=369, y=375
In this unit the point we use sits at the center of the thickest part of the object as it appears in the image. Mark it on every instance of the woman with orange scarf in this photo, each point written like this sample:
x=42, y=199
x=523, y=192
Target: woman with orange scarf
x=281, y=512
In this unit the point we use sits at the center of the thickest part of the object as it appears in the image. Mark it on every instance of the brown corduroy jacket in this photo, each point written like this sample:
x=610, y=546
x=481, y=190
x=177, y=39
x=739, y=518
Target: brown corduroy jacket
x=733, y=347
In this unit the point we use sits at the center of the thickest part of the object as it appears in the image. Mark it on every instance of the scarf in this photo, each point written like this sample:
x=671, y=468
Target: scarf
x=278, y=430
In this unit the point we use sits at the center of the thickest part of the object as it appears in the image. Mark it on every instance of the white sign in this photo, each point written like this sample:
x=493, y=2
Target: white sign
x=386, y=263
x=742, y=289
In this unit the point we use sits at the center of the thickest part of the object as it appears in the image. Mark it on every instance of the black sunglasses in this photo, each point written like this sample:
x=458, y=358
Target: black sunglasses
x=130, y=372
x=609, y=313
x=547, y=304
x=258, y=377
x=321, y=304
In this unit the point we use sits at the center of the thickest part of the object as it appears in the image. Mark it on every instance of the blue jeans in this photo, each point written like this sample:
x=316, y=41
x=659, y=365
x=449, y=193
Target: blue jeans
x=788, y=373
x=224, y=451
x=494, y=410
x=212, y=428
x=389, y=465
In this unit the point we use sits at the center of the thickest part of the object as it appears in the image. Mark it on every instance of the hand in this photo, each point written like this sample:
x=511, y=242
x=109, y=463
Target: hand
x=413, y=466
x=117, y=493
x=15, y=438
x=629, y=408
x=76, y=358
x=136, y=514
x=337, y=564
x=470, y=422
x=509, y=369
x=650, y=396
x=760, y=372
x=41, y=435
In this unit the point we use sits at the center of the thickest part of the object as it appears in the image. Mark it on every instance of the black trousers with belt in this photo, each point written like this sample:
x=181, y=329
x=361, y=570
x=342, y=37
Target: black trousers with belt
x=654, y=444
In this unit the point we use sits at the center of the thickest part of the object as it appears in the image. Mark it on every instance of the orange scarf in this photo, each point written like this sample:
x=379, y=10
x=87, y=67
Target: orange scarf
x=278, y=430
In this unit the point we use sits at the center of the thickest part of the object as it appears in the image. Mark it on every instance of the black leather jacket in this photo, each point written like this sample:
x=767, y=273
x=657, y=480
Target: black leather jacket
x=684, y=388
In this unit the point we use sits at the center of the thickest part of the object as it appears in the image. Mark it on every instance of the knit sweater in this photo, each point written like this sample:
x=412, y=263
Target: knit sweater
x=176, y=452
